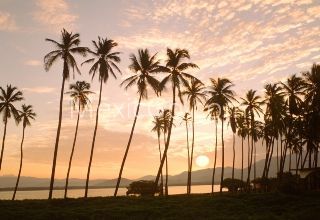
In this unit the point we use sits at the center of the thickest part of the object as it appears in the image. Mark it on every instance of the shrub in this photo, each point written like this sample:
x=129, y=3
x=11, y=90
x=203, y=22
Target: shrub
x=233, y=185
x=142, y=187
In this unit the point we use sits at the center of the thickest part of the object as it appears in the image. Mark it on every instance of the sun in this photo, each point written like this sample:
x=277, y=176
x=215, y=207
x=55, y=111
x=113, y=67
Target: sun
x=202, y=161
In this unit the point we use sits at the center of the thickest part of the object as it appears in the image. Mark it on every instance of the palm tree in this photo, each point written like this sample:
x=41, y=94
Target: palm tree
x=233, y=124
x=220, y=93
x=64, y=50
x=214, y=113
x=194, y=93
x=7, y=99
x=175, y=67
x=242, y=132
x=105, y=63
x=158, y=127
x=186, y=118
x=144, y=66
x=79, y=93
x=253, y=105
x=25, y=116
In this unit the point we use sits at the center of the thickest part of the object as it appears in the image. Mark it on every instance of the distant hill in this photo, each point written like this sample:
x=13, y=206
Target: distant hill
x=203, y=176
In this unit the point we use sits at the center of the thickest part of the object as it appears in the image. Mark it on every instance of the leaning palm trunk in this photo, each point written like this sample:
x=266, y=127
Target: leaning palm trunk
x=222, y=165
x=215, y=158
x=160, y=156
x=93, y=142
x=72, y=151
x=128, y=146
x=234, y=155
x=168, y=140
x=242, y=158
x=58, y=133
x=20, y=168
x=166, y=190
x=191, y=157
x=250, y=164
x=188, y=190
x=3, y=140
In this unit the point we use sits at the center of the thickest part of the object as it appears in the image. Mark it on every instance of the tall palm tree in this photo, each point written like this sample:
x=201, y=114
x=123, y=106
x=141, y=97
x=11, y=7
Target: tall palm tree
x=177, y=76
x=195, y=95
x=7, y=99
x=105, y=63
x=158, y=127
x=64, y=50
x=242, y=132
x=144, y=66
x=233, y=124
x=25, y=115
x=252, y=105
x=79, y=92
x=214, y=113
x=220, y=93
x=186, y=118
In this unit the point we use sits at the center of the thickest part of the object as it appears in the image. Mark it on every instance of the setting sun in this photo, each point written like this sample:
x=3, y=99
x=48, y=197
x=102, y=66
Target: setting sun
x=202, y=161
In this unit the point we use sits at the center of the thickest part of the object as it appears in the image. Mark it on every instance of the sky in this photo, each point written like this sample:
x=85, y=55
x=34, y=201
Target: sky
x=250, y=42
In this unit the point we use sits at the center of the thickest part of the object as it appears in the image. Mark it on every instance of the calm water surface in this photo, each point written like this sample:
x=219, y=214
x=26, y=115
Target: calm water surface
x=76, y=193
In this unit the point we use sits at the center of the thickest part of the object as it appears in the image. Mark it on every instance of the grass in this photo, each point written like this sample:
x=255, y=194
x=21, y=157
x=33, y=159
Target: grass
x=241, y=206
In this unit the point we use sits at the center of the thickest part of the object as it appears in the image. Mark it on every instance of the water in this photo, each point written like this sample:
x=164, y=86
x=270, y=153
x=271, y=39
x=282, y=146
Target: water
x=76, y=193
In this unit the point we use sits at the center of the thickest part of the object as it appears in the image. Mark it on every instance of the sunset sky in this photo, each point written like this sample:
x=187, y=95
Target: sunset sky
x=249, y=42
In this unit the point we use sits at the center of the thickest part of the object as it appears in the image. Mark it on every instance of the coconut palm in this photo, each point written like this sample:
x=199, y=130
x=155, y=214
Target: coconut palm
x=25, y=115
x=158, y=127
x=242, y=132
x=185, y=119
x=252, y=103
x=65, y=51
x=220, y=93
x=177, y=76
x=145, y=67
x=214, y=113
x=233, y=124
x=79, y=93
x=8, y=98
x=195, y=95
x=105, y=64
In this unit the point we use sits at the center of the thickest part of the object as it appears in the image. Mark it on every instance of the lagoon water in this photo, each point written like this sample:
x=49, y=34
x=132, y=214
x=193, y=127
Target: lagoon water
x=76, y=193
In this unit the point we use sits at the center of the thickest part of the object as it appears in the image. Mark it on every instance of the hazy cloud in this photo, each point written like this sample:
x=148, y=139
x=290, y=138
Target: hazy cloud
x=7, y=22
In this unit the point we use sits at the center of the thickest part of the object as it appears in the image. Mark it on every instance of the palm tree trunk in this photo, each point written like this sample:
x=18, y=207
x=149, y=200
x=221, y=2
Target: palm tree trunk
x=290, y=157
x=3, y=140
x=166, y=190
x=277, y=156
x=255, y=161
x=20, y=168
x=168, y=140
x=270, y=158
x=160, y=156
x=251, y=156
x=72, y=151
x=234, y=155
x=222, y=152
x=187, y=130
x=128, y=146
x=191, y=158
x=215, y=158
x=54, y=162
x=242, y=158
x=93, y=141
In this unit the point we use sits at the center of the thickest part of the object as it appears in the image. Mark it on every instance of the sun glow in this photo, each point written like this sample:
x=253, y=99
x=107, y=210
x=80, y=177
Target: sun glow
x=202, y=161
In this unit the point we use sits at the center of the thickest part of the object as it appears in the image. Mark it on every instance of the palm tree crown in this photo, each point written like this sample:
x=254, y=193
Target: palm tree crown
x=26, y=114
x=79, y=92
x=7, y=99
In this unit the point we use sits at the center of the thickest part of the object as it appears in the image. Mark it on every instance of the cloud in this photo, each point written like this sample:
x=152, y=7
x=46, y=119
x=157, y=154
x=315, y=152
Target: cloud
x=7, y=22
x=54, y=14
x=39, y=89
x=33, y=63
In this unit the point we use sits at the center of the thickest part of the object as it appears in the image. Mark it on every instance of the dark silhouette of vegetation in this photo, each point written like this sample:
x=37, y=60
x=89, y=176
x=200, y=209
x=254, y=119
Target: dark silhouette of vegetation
x=142, y=188
x=64, y=50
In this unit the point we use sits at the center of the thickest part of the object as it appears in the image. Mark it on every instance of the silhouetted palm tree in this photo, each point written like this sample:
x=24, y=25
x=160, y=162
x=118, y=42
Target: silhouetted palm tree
x=186, y=118
x=144, y=66
x=253, y=105
x=105, y=61
x=7, y=99
x=178, y=78
x=233, y=124
x=158, y=127
x=25, y=115
x=214, y=113
x=194, y=93
x=64, y=50
x=79, y=93
x=220, y=93
x=242, y=132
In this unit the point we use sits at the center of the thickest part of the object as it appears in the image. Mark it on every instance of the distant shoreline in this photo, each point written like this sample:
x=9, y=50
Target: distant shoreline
x=6, y=189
